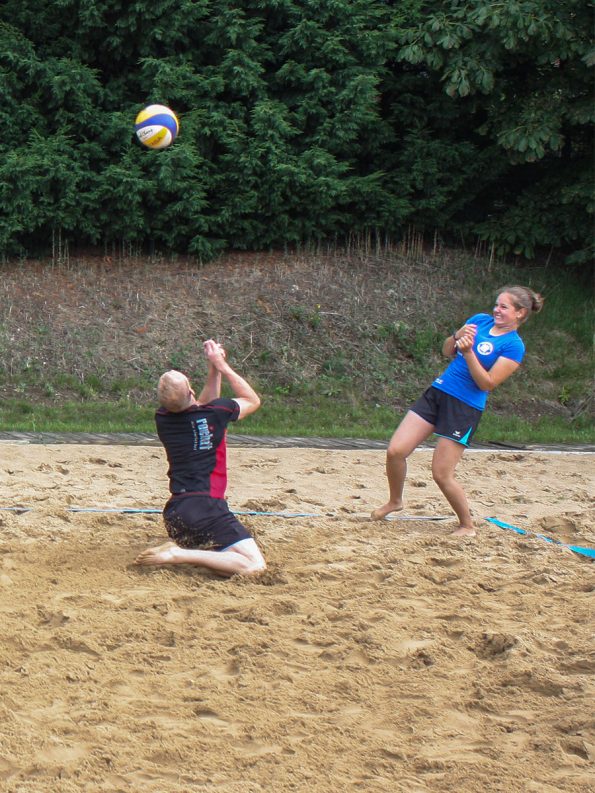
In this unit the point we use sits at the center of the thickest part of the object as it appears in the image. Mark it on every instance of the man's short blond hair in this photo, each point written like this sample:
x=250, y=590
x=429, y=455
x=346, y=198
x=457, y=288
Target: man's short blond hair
x=173, y=391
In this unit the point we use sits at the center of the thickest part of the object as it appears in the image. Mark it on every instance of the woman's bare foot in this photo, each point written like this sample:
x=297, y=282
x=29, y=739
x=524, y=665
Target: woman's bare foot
x=382, y=512
x=160, y=554
x=463, y=531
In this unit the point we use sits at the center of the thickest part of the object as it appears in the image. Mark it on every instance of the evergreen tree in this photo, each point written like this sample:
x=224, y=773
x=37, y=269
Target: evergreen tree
x=278, y=102
x=299, y=121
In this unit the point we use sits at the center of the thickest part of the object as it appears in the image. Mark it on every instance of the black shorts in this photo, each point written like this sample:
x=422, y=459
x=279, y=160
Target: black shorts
x=451, y=418
x=202, y=522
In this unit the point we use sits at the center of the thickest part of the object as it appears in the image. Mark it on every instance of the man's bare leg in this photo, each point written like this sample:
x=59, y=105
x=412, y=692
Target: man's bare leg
x=243, y=558
x=447, y=455
x=407, y=437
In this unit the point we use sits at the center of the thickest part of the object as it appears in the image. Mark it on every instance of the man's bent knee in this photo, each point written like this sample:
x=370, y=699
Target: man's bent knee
x=251, y=559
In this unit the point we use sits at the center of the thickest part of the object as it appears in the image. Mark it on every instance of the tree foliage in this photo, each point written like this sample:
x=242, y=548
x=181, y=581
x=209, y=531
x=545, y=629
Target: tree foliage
x=520, y=73
x=300, y=121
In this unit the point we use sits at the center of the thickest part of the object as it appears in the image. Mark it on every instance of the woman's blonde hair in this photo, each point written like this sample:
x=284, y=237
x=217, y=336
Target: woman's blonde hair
x=524, y=298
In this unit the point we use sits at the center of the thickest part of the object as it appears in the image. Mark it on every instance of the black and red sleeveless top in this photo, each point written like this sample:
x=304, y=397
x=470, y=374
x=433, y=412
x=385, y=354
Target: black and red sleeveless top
x=194, y=442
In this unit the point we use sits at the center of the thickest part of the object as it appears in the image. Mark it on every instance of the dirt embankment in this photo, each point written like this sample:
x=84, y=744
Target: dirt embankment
x=365, y=327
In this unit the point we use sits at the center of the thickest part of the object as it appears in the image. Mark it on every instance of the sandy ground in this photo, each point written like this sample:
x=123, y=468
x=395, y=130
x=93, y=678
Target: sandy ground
x=373, y=657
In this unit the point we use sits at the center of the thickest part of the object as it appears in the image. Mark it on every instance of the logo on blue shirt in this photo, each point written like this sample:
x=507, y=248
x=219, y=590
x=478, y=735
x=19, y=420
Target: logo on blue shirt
x=485, y=348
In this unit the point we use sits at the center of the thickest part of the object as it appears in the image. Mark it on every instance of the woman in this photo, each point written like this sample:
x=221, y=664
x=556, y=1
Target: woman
x=487, y=350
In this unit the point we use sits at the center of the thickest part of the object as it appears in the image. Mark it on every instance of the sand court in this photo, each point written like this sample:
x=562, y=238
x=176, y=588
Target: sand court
x=370, y=656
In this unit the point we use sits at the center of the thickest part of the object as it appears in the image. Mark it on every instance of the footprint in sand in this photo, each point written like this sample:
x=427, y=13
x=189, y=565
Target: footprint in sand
x=8, y=769
x=314, y=648
x=226, y=671
x=52, y=619
x=62, y=756
x=272, y=576
x=563, y=524
x=211, y=716
x=530, y=681
x=270, y=505
x=251, y=748
x=66, y=642
x=449, y=561
x=493, y=645
x=578, y=747
x=421, y=659
x=282, y=607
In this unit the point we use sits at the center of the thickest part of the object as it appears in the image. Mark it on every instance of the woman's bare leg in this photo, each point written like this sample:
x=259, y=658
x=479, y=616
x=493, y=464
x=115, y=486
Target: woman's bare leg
x=447, y=456
x=406, y=438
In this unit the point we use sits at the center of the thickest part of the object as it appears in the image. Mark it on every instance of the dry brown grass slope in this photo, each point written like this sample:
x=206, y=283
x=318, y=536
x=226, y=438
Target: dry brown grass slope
x=366, y=325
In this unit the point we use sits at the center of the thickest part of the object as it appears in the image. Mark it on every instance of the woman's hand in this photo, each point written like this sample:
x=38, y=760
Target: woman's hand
x=465, y=342
x=451, y=344
x=466, y=330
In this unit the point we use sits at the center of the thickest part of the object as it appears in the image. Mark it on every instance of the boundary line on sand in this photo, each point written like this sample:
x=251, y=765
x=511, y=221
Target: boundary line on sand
x=253, y=441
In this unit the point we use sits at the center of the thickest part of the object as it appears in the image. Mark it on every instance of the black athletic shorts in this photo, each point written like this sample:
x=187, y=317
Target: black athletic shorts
x=451, y=418
x=202, y=522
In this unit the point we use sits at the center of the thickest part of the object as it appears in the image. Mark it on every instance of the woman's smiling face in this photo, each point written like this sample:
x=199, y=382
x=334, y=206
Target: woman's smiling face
x=505, y=313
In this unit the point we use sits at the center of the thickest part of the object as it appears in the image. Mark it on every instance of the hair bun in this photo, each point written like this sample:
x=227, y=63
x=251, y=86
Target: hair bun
x=537, y=302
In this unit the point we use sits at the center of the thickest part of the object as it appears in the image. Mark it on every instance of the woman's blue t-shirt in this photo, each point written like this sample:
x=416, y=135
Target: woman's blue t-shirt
x=457, y=381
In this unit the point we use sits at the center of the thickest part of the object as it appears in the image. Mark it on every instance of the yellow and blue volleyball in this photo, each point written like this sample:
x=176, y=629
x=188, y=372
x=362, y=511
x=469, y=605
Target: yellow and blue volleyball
x=156, y=126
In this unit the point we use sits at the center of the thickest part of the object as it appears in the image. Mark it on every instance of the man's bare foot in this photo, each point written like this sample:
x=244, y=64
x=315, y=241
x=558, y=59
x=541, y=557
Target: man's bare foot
x=160, y=554
x=382, y=512
x=462, y=531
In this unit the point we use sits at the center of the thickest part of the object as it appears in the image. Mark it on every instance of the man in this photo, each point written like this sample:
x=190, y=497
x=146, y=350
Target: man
x=203, y=530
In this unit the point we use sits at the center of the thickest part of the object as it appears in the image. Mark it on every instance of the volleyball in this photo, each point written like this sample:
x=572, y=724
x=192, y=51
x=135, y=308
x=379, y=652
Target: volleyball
x=156, y=126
